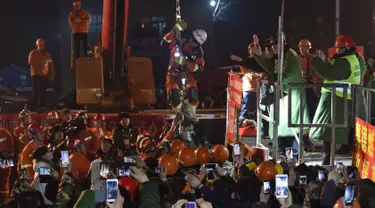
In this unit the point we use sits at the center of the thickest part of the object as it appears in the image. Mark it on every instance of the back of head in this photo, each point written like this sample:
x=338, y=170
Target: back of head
x=29, y=198
x=313, y=190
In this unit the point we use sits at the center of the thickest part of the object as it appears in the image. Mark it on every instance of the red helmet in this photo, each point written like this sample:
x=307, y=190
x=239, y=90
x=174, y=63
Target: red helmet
x=144, y=142
x=344, y=41
x=40, y=42
x=99, y=117
x=77, y=3
x=128, y=184
x=53, y=115
x=34, y=128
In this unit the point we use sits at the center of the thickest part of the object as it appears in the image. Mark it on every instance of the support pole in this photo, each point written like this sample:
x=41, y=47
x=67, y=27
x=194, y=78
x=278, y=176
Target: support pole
x=337, y=18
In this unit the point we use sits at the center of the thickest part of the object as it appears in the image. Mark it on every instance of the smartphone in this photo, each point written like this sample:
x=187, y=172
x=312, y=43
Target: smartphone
x=130, y=160
x=124, y=171
x=237, y=149
x=281, y=186
x=321, y=175
x=157, y=170
x=10, y=162
x=191, y=204
x=99, y=188
x=349, y=194
x=289, y=153
x=112, y=189
x=65, y=159
x=266, y=187
x=351, y=172
x=210, y=174
x=44, y=174
x=210, y=165
x=302, y=180
x=104, y=170
x=22, y=172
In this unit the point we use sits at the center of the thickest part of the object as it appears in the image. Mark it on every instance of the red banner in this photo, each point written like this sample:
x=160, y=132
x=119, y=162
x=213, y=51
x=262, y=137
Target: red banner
x=234, y=100
x=150, y=123
x=363, y=155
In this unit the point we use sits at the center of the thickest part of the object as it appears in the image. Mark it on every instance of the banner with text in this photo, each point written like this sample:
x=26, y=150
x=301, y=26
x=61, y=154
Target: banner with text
x=234, y=99
x=363, y=155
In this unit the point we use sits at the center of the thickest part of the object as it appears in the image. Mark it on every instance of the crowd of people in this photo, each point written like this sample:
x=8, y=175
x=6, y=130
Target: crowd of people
x=72, y=165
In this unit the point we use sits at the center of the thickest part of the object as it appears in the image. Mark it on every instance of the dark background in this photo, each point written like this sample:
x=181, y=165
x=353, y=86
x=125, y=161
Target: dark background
x=24, y=21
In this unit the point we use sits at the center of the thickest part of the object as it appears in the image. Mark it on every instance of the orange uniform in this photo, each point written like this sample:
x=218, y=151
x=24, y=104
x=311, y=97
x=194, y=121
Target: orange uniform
x=86, y=138
x=41, y=64
x=100, y=135
x=27, y=158
x=21, y=138
x=308, y=73
x=83, y=26
x=6, y=146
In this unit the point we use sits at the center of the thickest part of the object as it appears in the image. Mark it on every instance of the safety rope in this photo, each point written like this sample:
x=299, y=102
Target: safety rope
x=178, y=11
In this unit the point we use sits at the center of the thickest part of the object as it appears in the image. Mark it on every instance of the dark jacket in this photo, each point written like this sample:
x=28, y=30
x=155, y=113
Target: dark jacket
x=120, y=134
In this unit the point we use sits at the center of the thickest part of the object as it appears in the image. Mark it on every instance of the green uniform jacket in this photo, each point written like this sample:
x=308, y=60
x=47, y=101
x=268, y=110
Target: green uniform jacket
x=339, y=70
x=291, y=74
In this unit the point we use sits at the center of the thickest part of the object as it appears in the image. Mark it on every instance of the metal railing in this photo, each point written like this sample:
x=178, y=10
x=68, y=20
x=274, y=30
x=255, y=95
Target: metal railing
x=333, y=125
x=367, y=100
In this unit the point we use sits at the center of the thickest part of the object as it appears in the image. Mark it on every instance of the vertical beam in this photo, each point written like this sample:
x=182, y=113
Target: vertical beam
x=337, y=18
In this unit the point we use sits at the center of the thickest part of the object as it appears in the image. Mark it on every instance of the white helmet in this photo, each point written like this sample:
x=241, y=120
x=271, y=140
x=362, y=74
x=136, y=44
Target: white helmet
x=200, y=35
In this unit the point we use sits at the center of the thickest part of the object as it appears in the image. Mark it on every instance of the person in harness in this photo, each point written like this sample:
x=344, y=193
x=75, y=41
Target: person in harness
x=186, y=56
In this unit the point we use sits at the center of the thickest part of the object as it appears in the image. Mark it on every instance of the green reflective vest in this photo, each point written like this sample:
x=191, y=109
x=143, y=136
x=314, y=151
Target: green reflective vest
x=354, y=78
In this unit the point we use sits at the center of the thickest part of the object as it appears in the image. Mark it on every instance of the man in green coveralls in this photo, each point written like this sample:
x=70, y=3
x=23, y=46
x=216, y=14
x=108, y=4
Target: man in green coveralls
x=345, y=67
x=291, y=74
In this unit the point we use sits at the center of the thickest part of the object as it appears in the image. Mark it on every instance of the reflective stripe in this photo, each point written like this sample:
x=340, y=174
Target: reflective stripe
x=26, y=166
x=3, y=139
x=48, y=60
x=179, y=27
x=4, y=192
x=166, y=40
x=88, y=138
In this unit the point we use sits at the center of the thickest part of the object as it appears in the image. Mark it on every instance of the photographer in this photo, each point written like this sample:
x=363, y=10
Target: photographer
x=125, y=135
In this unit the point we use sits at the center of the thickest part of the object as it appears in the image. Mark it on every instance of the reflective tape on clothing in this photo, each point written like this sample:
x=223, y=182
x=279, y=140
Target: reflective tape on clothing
x=3, y=139
x=26, y=166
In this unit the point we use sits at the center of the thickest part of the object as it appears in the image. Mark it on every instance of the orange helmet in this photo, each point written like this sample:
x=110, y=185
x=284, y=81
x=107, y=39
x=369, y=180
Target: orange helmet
x=34, y=128
x=266, y=171
x=220, y=153
x=258, y=154
x=144, y=142
x=341, y=201
x=53, y=115
x=177, y=145
x=187, y=157
x=203, y=155
x=170, y=163
x=344, y=41
x=81, y=114
x=128, y=184
x=40, y=42
x=99, y=117
x=304, y=42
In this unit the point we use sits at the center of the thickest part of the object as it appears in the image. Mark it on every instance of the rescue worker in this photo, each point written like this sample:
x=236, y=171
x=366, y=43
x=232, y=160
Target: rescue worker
x=186, y=57
x=6, y=153
x=52, y=119
x=309, y=75
x=99, y=132
x=345, y=67
x=42, y=70
x=66, y=116
x=79, y=21
x=81, y=138
x=291, y=74
x=37, y=136
x=21, y=137
x=125, y=135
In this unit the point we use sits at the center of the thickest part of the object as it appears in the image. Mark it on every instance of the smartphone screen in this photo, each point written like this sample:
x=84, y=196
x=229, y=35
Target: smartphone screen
x=157, y=170
x=321, y=175
x=303, y=180
x=210, y=165
x=289, y=153
x=112, y=189
x=124, y=171
x=191, y=205
x=349, y=194
x=99, y=188
x=210, y=174
x=130, y=160
x=281, y=186
x=351, y=172
x=266, y=187
x=10, y=163
x=237, y=149
x=104, y=170
x=22, y=172
x=65, y=159
x=45, y=171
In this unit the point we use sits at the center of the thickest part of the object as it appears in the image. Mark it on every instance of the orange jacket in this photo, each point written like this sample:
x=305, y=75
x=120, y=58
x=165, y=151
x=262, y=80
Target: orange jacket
x=41, y=63
x=83, y=26
x=6, y=141
x=21, y=138
x=308, y=73
x=26, y=159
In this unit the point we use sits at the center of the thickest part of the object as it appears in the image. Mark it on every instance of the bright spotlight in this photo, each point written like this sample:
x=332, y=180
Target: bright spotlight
x=213, y=3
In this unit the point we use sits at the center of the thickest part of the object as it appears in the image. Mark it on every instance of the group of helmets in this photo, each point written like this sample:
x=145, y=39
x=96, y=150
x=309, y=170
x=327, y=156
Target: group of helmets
x=342, y=41
x=187, y=157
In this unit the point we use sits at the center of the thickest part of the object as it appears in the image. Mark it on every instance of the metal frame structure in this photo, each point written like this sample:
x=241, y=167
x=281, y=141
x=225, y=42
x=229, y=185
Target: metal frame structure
x=368, y=104
x=333, y=125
